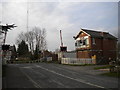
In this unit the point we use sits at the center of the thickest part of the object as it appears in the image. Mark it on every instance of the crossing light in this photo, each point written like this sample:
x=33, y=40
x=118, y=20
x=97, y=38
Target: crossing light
x=5, y=47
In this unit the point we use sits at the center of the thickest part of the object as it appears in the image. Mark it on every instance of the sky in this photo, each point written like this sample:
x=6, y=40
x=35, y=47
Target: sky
x=59, y=15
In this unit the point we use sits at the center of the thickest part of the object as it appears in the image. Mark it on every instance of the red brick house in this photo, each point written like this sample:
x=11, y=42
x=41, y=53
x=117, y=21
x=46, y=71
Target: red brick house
x=96, y=44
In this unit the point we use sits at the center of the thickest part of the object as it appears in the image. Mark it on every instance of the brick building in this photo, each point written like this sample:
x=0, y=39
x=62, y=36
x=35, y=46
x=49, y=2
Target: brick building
x=96, y=44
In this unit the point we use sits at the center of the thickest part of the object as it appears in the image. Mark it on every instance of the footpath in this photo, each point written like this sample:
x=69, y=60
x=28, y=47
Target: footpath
x=14, y=78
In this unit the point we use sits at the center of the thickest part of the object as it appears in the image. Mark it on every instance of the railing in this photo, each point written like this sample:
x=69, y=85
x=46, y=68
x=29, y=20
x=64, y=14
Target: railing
x=77, y=61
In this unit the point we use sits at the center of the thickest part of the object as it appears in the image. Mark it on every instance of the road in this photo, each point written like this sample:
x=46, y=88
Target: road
x=49, y=75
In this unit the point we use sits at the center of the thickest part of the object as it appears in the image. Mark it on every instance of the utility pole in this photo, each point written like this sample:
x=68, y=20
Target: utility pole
x=5, y=37
x=27, y=16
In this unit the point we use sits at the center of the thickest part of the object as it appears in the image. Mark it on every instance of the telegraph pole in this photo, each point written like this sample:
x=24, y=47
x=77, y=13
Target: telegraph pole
x=27, y=16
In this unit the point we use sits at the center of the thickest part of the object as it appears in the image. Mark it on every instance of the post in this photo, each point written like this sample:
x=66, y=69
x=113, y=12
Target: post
x=0, y=64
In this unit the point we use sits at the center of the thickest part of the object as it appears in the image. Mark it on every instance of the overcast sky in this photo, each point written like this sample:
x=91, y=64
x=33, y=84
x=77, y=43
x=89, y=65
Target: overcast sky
x=54, y=16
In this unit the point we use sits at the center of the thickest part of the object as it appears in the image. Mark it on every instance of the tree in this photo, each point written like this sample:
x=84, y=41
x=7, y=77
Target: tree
x=118, y=49
x=21, y=37
x=36, y=53
x=36, y=37
x=23, y=49
x=29, y=36
x=40, y=38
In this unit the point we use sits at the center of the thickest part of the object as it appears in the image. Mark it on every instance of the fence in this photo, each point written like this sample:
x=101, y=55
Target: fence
x=77, y=61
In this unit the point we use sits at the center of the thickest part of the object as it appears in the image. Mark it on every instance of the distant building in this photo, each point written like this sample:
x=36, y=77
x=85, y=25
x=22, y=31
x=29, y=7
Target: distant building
x=96, y=44
x=50, y=56
x=13, y=51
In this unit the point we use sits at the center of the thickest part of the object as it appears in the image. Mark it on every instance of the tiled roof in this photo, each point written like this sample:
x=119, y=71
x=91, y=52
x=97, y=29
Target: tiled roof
x=98, y=34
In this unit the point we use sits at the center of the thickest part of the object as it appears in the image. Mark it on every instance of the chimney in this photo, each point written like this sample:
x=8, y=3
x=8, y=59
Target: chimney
x=103, y=33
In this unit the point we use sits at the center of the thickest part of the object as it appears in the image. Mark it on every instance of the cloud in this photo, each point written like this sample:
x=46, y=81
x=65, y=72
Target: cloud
x=0, y=12
x=61, y=0
x=54, y=16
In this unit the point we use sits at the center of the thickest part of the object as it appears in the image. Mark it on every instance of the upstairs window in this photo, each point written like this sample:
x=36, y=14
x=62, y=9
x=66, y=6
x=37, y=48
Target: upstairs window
x=93, y=41
x=82, y=42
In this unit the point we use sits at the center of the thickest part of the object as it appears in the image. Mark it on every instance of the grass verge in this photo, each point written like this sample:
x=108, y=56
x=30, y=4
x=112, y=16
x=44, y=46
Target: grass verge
x=103, y=67
x=79, y=64
x=112, y=74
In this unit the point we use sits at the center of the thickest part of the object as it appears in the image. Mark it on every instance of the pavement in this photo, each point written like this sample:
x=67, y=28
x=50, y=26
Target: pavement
x=49, y=75
x=14, y=78
x=0, y=83
x=0, y=79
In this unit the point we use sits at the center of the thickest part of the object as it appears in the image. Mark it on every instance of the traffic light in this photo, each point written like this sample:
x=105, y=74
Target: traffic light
x=5, y=47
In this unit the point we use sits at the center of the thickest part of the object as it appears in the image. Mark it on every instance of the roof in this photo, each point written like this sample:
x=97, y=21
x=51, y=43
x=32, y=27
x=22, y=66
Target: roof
x=97, y=34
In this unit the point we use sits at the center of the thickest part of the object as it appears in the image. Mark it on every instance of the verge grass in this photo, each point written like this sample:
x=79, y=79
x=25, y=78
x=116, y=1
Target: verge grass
x=112, y=74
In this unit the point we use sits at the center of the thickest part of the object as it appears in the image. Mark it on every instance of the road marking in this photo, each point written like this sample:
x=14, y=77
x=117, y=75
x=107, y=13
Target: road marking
x=78, y=80
x=50, y=81
x=58, y=83
x=35, y=84
x=26, y=67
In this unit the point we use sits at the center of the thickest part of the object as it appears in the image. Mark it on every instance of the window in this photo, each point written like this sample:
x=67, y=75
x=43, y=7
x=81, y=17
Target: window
x=93, y=40
x=87, y=41
x=84, y=42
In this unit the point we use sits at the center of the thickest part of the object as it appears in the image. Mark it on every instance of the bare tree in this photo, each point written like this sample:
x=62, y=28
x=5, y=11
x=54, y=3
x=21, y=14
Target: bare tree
x=40, y=37
x=21, y=37
x=30, y=40
x=36, y=37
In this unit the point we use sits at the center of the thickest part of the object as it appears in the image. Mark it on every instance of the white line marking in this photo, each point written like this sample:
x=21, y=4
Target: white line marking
x=35, y=84
x=78, y=80
x=58, y=83
x=25, y=67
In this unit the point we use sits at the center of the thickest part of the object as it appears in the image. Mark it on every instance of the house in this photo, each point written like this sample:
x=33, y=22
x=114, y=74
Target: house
x=98, y=45
x=50, y=56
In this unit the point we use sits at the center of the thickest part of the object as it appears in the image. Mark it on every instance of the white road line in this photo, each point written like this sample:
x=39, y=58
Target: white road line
x=78, y=80
x=35, y=84
x=50, y=81
x=58, y=83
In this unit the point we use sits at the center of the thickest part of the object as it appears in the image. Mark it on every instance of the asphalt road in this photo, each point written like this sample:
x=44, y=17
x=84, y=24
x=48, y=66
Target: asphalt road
x=48, y=75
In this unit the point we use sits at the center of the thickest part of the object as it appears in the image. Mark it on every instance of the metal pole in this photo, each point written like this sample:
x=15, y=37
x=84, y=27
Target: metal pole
x=61, y=38
x=5, y=37
x=27, y=16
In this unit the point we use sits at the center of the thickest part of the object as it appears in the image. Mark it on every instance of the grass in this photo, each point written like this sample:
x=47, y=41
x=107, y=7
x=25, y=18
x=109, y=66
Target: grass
x=103, y=67
x=112, y=74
